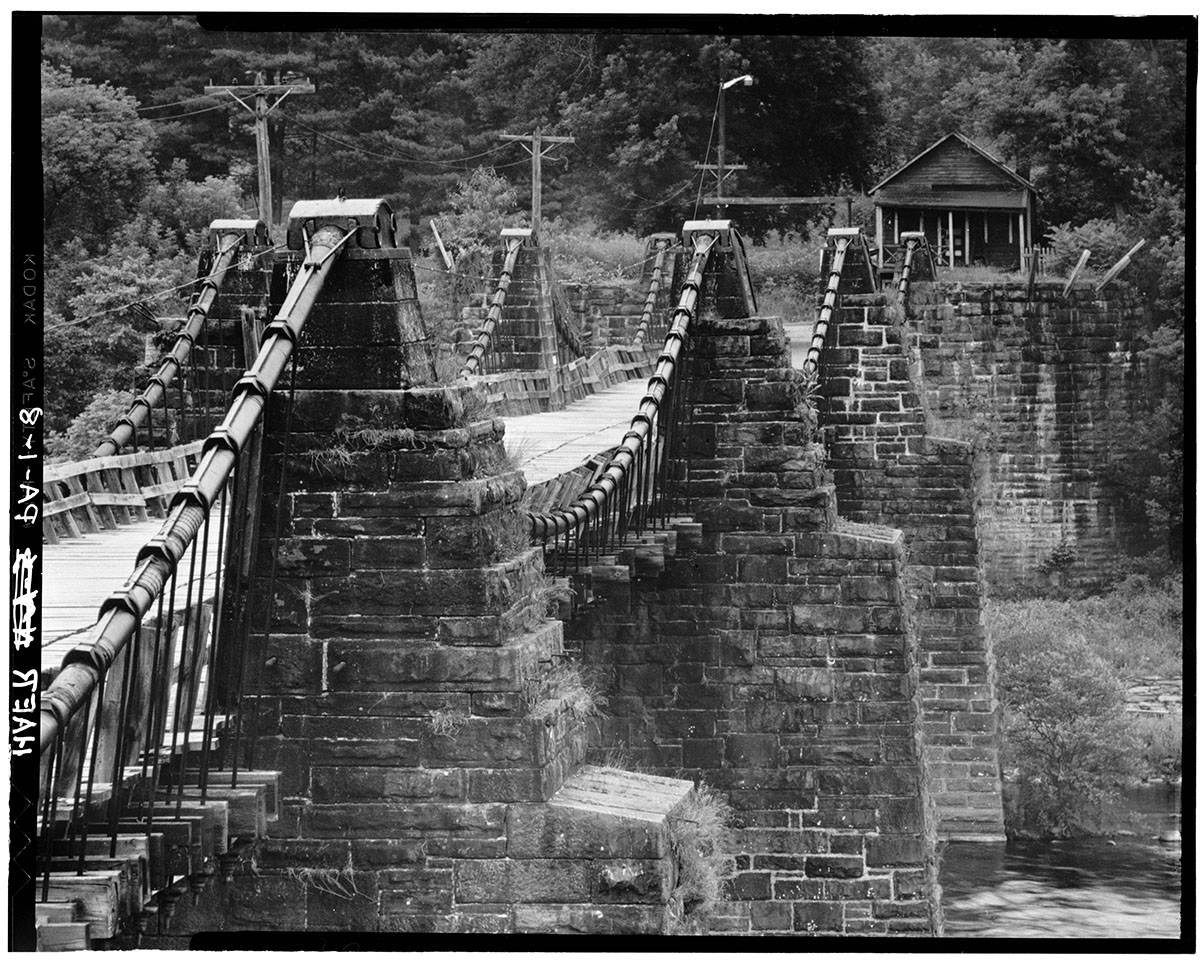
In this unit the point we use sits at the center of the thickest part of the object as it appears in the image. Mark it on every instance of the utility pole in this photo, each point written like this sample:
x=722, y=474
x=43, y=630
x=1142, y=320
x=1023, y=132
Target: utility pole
x=537, y=153
x=260, y=90
x=721, y=167
x=723, y=170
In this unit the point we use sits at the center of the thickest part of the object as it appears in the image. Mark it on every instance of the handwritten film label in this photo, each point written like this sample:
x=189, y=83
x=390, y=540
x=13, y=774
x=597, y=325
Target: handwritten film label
x=25, y=484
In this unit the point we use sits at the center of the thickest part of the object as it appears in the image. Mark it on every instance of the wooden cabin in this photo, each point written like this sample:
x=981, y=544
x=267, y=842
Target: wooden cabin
x=973, y=209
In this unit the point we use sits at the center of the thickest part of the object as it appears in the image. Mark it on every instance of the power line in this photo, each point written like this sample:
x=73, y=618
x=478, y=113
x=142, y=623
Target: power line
x=175, y=103
x=649, y=204
x=707, y=150
x=190, y=113
x=394, y=156
x=452, y=163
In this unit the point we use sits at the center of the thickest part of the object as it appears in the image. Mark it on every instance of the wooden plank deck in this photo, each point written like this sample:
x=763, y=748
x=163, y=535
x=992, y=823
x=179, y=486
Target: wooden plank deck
x=549, y=444
x=80, y=572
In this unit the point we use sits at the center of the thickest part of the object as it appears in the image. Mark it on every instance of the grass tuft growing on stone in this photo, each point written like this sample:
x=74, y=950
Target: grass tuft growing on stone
x=447, y=720
x=702, y=843
x=329, y=460
x=336, y=881
x=571, y=684
x=370, y=438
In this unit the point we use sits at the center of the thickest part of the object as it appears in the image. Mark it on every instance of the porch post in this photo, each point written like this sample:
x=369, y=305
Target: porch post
x=879, y=233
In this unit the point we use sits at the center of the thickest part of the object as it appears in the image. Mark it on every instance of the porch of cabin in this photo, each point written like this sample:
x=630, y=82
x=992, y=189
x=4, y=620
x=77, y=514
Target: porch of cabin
x=958, y=237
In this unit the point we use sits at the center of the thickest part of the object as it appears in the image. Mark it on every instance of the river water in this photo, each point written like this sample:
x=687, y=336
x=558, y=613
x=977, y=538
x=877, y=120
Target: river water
x=1128, y=886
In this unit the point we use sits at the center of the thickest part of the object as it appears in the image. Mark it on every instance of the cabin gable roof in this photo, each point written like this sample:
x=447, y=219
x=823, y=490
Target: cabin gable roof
x=953, y=160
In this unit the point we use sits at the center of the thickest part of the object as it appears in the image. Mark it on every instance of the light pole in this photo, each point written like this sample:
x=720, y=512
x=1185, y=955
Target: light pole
x=748, y=81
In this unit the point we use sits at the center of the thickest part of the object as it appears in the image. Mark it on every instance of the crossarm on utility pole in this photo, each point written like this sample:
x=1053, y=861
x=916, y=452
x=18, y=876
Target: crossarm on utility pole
x=260, y=90
x=536, y=153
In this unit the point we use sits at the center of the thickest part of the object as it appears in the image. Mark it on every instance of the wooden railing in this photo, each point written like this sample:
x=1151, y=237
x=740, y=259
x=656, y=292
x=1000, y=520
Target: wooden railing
x=103, y=493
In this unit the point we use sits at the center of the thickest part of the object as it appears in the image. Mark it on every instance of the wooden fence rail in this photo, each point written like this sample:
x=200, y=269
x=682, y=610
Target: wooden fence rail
x=103, y=493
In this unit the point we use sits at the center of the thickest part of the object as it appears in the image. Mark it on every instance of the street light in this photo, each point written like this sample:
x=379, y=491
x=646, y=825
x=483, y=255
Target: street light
x=749, y=82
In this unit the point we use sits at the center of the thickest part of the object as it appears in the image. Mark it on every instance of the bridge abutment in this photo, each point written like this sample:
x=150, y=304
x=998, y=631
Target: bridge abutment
x=1044, y=385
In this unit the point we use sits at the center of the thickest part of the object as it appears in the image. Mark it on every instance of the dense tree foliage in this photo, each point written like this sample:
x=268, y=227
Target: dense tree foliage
x=119, y=235
x=96, y=161
x=404, y=115
x=1085, y=119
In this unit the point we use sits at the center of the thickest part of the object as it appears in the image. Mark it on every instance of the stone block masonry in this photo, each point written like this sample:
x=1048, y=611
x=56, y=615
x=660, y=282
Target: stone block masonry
x=611, y=313
x=888, y=470
x=1036, y=381
x=772, y=658
x=526, y=338
x=239, y=311
x=431, y=774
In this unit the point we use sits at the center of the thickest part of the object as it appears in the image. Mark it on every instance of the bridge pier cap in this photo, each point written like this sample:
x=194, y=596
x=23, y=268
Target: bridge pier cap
x=524, y=234
x=718, y=228
x=255, y=231
x=370, y=220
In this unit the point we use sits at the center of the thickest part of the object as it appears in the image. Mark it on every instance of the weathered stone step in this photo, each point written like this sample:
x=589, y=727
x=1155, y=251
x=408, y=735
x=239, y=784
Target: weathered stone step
x=129, y=832
x=247, y=808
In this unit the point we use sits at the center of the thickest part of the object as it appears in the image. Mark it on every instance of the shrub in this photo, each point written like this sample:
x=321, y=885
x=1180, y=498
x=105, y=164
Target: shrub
x=481, y=205
x=186, y=208
x=1065, y=732
x=702, y=843
x=1136, y=628
x=787, y=276
x=1160, y=743
x=584, y=254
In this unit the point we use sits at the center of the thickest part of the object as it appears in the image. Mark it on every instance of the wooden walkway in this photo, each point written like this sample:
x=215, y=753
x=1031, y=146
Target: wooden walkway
x=546, y=445
x=79, y=573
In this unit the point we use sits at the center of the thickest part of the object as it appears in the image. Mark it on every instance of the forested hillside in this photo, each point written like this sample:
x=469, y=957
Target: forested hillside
x=137, y=159
x=404, y=114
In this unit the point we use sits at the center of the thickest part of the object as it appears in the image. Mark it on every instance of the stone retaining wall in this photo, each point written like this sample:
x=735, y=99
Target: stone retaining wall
x=1034, y=381
x=1155, y=696
x=610, y=313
